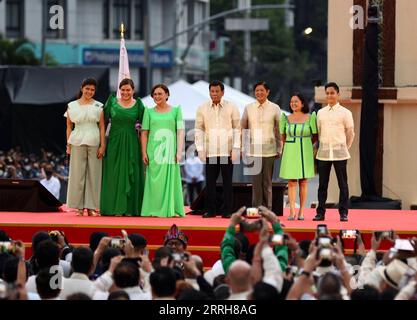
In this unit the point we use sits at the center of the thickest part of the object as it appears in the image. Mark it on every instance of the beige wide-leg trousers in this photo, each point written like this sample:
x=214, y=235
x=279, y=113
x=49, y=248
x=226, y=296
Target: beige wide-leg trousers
x=84, y=182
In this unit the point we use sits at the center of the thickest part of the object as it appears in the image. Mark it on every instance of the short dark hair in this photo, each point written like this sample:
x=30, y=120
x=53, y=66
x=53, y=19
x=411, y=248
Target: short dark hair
x=47, y=254
x=10, y=269
x=138, y=241
x=192, y=294
x=79, y=296
x=43, y=286
x=161, y=253
x=126, y=275
x=37, y=238
x=366, y=293
x=82, y=260
x=261, y=83
x=216, y=83
x=95, y=239
x=108, y=254
x=162, y=86
x=332, y=85
x=329, y=284
x=118, y=295
x=163, y=282
x=305, y=108
x=264, y=291
x=4, y=236
x=126, y=81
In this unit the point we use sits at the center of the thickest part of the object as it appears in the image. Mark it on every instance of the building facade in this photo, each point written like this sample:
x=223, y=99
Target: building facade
x=86, y=32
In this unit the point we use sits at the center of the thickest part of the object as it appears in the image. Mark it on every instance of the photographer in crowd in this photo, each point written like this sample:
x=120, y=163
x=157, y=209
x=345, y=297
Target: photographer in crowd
x=278, y=268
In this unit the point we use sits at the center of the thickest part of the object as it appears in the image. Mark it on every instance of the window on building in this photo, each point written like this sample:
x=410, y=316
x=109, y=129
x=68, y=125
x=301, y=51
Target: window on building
x=130, y=12
x=56, y=33
x=190, y=19
x=139, y=20
x=106, y=19
x=121, y=13
x=14, y=18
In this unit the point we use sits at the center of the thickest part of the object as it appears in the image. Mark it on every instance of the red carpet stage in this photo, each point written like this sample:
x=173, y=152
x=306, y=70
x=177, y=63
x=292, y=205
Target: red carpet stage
x=204, y=235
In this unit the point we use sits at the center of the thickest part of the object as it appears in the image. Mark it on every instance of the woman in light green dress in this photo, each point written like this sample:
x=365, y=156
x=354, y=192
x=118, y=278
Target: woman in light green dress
x=298, y=134
x=162, y=140
x=123, y=176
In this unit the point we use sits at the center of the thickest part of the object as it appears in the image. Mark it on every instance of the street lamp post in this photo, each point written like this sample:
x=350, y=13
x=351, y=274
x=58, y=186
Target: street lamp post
x=148, y=47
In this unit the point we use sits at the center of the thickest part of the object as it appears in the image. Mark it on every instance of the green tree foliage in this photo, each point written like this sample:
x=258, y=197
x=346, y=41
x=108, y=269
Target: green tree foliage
x=20, y=52
x=276, y=55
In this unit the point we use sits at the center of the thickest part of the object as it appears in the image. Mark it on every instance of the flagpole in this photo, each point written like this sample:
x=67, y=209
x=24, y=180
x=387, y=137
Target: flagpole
x=124, y=71
x=122, y=31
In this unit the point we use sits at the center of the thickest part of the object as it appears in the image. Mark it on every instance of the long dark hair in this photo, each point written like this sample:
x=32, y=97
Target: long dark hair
x=305, y=108
x=87, y=82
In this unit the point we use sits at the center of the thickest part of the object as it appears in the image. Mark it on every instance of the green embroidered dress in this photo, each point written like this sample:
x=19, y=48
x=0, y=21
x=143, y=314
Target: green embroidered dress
x=163, y=195
x=123, y=173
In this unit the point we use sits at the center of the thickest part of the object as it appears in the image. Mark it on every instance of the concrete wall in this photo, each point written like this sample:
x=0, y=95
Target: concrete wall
x=406, y=43
x=340, y=43
x=2, y=18
x=33, y=20
x=400, y=152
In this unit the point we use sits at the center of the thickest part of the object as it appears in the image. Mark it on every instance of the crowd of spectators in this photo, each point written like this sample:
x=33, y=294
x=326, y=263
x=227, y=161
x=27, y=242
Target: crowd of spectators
x=14, y=164
x=276, y=267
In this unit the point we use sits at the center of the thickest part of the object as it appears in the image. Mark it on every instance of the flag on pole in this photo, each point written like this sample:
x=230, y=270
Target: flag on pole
x=123, y=61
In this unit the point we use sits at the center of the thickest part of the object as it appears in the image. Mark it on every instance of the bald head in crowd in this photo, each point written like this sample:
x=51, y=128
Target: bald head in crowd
x=238, y=277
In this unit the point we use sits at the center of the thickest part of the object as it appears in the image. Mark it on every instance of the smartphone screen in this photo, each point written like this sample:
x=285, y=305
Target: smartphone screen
x=322, y=230
x=348, y=234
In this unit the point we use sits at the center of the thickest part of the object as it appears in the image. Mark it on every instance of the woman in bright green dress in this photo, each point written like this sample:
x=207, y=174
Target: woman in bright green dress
x=123, y=176
x=162, y=140
x=298, y=134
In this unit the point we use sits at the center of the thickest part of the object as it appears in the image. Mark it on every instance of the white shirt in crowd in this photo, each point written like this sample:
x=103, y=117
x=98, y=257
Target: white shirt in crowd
x=193, y=168
x=52, y=185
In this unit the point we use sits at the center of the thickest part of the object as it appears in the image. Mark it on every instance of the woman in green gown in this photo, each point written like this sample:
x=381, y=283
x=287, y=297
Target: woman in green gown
x=162, y=140
x=123, y=176
x=298, y=134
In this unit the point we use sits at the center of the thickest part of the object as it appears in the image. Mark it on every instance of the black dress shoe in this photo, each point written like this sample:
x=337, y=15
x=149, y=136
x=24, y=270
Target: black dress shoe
x=343, y=217
x=319, y=217
x=226, y=215
x=209, y=215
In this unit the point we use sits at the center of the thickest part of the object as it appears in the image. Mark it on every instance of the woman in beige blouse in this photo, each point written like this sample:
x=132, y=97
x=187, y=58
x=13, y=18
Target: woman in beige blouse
x=86, y=146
